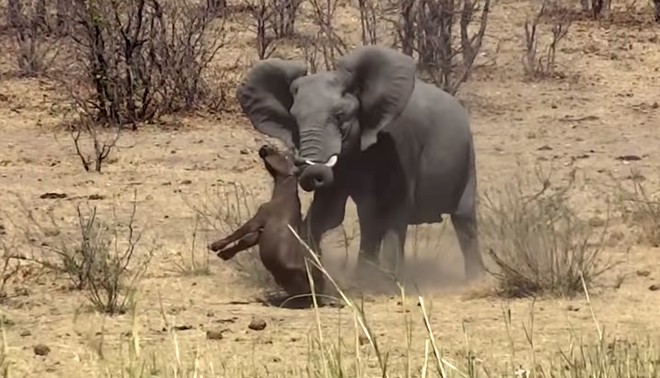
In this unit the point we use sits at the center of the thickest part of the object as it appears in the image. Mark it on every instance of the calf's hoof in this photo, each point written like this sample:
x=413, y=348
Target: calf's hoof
x=216, y=246
x=225, y=255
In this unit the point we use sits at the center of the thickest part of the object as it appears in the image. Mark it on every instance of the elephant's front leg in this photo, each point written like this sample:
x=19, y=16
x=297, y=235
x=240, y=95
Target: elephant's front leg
x=372, y=229
x=326, y=212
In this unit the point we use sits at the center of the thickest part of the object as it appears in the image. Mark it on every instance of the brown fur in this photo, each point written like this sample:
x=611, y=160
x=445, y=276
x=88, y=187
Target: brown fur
x=280, y=252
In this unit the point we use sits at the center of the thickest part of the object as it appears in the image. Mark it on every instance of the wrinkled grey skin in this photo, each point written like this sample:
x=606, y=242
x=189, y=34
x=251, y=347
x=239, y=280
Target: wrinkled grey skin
x=404, y=148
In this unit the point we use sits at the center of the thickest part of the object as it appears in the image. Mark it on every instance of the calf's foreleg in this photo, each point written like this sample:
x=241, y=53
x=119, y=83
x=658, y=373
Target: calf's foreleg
x=252, y=226
x=249, y=240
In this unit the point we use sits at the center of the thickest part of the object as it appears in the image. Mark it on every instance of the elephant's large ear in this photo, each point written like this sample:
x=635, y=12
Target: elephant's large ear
x=266, y=99
x=383, y=79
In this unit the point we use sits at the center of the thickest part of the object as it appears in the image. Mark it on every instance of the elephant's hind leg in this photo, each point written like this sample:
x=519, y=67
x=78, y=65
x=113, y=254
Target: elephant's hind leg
x=468, y=239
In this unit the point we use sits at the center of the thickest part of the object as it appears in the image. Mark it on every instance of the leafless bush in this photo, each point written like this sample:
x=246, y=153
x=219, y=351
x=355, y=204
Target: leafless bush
x=101, y=259
x=537, y=242
x=101, y=140
x=543, y=66
x=35, y=50
x=144, y=58
x=370, y=13
x=327, y=45
x=640, y=208
x=428, y=27
x=285, y=17
x=9, y=267
x=597, y=8
x=224, y=210
x=215, y=6
x=192, y=264
x=262, y=13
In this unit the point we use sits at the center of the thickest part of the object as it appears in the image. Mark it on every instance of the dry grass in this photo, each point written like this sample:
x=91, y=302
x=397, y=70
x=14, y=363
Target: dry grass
x=363, y=354
x=224, y=209
x=99, y=257
x=538, y=242
x=640, y=208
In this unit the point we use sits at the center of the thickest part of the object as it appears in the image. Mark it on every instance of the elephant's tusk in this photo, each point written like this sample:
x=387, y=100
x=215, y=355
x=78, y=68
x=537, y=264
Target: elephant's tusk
x=332, y=161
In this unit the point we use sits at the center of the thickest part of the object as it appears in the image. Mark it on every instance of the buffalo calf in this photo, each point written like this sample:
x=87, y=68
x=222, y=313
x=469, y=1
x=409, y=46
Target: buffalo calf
x=280, y=252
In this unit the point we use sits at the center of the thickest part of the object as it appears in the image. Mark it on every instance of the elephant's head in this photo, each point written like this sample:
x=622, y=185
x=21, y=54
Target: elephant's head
x=327, y=115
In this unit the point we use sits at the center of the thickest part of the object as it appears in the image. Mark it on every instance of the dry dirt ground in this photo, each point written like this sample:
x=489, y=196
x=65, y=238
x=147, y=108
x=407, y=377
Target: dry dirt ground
x=604, y=106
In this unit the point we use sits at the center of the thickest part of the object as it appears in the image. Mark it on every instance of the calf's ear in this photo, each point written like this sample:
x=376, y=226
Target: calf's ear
x=265, y=98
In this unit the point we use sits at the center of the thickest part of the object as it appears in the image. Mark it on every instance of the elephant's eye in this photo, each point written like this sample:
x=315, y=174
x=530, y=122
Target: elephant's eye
x=340, y=116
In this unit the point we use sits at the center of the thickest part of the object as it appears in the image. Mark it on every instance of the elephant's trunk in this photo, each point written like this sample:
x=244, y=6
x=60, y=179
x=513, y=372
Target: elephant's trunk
x=315, y=177
x=311, y=143
x=320, y=147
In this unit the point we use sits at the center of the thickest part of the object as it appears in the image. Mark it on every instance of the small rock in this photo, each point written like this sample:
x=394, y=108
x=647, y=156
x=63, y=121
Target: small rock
x=654, y=287
x=186, y=182
x=363, y=340
x=597, y=222
x=643, y=273
x=544, y=148
x=41, y=350
x=184, y=327
x=628, y=158
x=26, y=333
x=52, y=195
x=244, y=151
x=95, y=197
x=572, y=308
x=257, y=325
x=214, y=334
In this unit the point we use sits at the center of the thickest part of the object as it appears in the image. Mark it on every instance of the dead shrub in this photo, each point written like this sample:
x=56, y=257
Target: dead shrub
x=223, y=211
x=192, y=264
x=326, y=45
x=29, y=34
x=543, y=66
x=142, y=59
x=537, y=242
x=370, y=15
x=286, y=12
x=262, y=13
x=639, y=208
x=9, y=268
x=92, y=140
x=100, y=258
x=428, y=29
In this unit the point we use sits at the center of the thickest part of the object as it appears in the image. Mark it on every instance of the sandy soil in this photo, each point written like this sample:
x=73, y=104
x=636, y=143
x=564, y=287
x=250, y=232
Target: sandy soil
x=604, y=106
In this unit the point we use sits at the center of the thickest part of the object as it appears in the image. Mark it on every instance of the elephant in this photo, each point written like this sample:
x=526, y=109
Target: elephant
x=371, y=130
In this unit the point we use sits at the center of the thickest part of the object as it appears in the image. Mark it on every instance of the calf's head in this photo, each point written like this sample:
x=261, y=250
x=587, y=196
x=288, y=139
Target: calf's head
x=327, y=115
x=278, y=164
